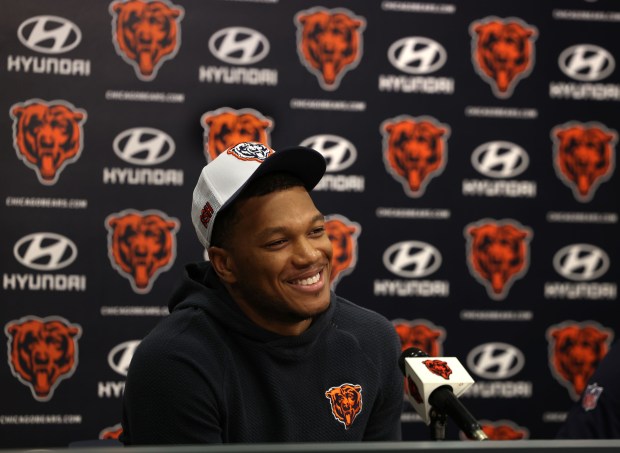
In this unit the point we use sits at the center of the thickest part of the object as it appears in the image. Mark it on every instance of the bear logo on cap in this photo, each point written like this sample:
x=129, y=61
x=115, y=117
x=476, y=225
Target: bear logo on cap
x=251, y=151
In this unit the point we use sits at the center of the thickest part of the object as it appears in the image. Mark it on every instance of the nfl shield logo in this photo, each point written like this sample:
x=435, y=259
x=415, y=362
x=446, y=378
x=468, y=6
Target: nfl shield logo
x=591, y=396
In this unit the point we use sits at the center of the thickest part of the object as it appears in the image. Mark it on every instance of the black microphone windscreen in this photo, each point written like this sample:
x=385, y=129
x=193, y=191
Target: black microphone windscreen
x=409, y=352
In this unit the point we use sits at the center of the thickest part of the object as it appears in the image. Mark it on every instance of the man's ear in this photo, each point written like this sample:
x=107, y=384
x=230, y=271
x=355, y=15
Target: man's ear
x=223, y=264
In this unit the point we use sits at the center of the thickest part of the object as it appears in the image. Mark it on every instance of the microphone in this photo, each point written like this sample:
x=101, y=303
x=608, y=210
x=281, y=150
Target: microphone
x=435, y=383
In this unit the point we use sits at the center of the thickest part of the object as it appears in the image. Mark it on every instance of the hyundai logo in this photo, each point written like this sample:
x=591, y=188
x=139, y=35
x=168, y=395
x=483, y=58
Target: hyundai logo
x=417, y=55
x=412, y=259
x=495, y=360
x=49, y=34
x=143, y=146
x=239, y=45
x=45, y=251
x=586, y=62
x=339, y=152
x=500, y=159
x=120, y=356
x=581, y=262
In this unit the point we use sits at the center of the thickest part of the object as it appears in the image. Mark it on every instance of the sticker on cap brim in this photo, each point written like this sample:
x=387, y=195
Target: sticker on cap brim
x=251, y=151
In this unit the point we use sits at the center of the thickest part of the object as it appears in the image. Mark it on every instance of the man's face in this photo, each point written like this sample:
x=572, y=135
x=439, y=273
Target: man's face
x=280, y=258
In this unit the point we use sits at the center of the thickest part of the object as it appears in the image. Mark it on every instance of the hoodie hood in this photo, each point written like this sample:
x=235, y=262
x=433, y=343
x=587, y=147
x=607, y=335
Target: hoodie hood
x=202, y=289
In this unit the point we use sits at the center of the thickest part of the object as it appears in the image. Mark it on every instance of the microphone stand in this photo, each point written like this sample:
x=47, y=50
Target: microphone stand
x=439, y=420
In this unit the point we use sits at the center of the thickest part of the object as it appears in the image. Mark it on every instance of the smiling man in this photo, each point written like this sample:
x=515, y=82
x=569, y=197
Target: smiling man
x=256, y=347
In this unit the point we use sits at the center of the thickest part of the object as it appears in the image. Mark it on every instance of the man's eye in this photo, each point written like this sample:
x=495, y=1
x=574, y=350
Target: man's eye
x=277, y=243
x=318, y=231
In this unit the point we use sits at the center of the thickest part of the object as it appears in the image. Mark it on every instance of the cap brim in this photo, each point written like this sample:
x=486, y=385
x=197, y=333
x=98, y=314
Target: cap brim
x=305, y=163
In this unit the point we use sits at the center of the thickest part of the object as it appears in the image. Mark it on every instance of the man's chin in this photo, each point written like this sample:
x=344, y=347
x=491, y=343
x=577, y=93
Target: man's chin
x=320, y=309
x=309, y=312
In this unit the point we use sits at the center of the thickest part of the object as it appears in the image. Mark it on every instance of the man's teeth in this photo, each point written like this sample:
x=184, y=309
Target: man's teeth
x=308, y=281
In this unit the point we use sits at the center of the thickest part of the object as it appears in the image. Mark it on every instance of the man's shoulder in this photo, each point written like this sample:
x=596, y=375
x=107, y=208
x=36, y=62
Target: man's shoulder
x=374, y=334
x=181, y=329
x=183, y=338
x=353, y=316
x=349, y=307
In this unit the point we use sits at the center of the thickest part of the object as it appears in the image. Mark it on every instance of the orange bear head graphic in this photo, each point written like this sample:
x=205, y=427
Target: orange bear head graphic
x=575, y=350
x=226, y=127
x=42, y=352
x=141, y=245
x=497, y=254
x=420, y=334
x=504, y=431
x=502, y=52
x=47, y=136
x=414, y=151
x=438, y=367
x=346, y=403
x=343, y=235
x=146, y=33
x=412, y=390
x=584, y=156
x=112, y=432
x=329, y=43
x=501, y=430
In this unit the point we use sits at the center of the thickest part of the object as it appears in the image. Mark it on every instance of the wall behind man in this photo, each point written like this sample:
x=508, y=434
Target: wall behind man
x=471, y=186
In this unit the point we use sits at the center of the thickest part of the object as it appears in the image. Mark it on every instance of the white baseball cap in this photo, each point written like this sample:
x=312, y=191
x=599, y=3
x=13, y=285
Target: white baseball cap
x=223, y=179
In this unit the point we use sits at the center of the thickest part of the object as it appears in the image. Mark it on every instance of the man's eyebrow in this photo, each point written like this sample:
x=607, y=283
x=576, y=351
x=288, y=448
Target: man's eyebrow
x=279, y=229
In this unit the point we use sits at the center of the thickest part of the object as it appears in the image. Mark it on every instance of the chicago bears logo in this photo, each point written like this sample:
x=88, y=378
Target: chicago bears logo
x=584, y=156
x=502, y=52
x=146, y=33
x=415, y=150
x=256, y=152
x=47, y=136
x=497, y=254
x=575, y=350
x=412, y=389
x=501, y=430
x=226, y=127
x=346, y=403
x=421, y=334
x=329, y=43
x=42, y=352
x=111, y=432
x=343, y=235
x=141, y=245
x=438, y=367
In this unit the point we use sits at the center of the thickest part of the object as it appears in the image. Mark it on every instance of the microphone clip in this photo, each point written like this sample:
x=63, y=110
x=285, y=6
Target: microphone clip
x=439, y=421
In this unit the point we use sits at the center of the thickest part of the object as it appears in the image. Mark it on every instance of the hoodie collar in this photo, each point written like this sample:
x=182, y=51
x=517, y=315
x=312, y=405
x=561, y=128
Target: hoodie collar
x=202, y=288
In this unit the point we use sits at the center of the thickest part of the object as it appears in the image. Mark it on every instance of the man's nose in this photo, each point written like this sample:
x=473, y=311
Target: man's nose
x=306, y=252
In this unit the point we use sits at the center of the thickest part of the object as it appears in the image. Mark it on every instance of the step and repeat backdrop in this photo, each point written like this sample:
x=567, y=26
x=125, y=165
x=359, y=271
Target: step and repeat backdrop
x=471, y=188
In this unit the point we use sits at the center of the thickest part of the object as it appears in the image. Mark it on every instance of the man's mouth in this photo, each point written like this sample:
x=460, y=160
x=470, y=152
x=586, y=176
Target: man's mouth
x=308, y=281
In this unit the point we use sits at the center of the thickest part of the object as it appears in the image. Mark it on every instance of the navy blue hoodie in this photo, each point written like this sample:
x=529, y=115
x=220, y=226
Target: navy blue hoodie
x=207, y=374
